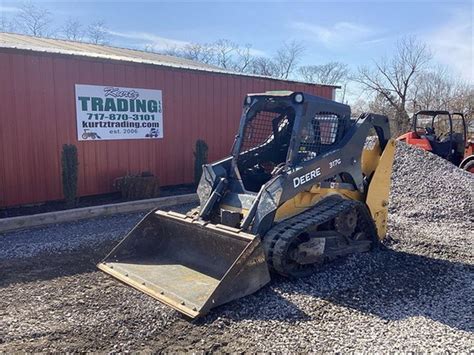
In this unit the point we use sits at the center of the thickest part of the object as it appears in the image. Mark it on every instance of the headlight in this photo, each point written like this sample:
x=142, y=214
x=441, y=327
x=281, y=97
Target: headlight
x=248, y=100
x=298, y=98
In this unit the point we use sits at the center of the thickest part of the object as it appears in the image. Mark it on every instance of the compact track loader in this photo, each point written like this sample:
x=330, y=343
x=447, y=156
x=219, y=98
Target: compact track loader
x=302, y=186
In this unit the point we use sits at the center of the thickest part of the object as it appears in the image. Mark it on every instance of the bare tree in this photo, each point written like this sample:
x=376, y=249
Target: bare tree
x=73, y=30
x=464, y=102
x=97, y=33
x=6, y=25
x=436, y=89
x=203, y=53
x=358, y=107
x=229, y=55
x=288, y=57
x=244, y=58
x=33, y=19
x=263, y=66
x=172, y=50
x=380, y=105
x=393, y=79
x=331, y=73
x=224, y=51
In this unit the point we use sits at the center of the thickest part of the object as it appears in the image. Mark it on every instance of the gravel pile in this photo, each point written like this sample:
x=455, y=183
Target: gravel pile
x=431, y=207
x=414, y=295
x=427, y=187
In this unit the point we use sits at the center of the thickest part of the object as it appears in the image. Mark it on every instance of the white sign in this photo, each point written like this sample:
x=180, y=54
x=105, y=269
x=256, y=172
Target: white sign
x=111, y=112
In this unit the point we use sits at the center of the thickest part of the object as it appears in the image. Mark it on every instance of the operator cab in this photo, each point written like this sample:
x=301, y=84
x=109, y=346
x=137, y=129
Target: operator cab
x=283, y=130
x=445, y=131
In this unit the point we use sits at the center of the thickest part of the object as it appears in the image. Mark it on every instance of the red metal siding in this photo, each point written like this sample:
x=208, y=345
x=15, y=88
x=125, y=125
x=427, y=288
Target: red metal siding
x=37, y=116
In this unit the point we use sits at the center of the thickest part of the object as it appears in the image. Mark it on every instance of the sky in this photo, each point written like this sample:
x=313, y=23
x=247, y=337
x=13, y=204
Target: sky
x=352, y=32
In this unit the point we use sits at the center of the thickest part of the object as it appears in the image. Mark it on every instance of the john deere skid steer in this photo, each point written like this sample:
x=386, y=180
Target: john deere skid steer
x=302, y=186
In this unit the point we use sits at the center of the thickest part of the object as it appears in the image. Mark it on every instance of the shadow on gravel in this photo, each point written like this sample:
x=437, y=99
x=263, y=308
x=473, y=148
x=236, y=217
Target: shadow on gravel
x=388, y=284
x=263, y=305
x=48, y=266
x=394, y=286
x=404, y=285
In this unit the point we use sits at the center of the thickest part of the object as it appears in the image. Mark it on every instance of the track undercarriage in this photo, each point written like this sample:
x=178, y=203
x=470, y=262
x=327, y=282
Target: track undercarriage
x=334, y=227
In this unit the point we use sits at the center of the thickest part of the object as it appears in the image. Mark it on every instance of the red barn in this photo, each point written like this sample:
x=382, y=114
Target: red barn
x=45, y=83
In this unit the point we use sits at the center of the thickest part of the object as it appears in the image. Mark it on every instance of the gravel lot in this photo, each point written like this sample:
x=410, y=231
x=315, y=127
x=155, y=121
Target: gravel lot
x=416, y=294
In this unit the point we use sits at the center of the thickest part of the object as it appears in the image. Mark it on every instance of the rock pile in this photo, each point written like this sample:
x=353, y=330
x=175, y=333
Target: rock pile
x=431, y=207
x=429, y=187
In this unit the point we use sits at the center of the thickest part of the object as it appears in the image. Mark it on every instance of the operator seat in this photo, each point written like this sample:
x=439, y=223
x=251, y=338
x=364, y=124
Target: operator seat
x=430, y=133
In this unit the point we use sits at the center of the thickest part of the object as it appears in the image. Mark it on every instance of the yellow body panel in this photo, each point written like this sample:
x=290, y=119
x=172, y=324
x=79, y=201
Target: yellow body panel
x=370, y=156
x=379, y=189
x=374, y=163
x=307, y=199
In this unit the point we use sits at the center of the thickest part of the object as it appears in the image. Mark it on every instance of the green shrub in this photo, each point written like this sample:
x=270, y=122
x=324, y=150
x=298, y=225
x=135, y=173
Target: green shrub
x=200, y=158
x=69, y=167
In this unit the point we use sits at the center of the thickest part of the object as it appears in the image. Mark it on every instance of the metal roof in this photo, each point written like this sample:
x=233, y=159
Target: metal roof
x=59, y=46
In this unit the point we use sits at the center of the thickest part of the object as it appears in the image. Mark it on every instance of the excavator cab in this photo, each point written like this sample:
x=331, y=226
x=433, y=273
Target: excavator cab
x=301, y=185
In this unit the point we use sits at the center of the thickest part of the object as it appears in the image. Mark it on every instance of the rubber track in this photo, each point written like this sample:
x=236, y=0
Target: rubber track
x=323, y=212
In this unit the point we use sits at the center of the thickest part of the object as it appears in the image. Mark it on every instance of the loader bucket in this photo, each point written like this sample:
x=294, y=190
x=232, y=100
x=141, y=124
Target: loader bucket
x=189, y=265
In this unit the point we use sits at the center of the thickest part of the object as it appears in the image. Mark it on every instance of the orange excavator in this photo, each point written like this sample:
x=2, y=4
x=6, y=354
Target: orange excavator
x=443, y=133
